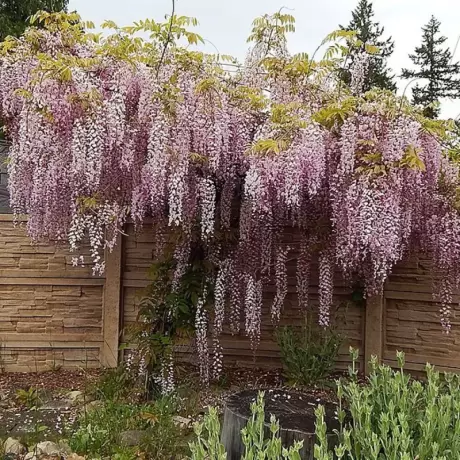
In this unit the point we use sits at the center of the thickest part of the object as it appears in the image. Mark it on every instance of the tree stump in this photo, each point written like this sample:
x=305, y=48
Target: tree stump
x=294, y=411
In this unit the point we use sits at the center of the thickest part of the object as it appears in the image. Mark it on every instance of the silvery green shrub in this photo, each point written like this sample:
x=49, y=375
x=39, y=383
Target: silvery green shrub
x=257, y=445
x=395, y=417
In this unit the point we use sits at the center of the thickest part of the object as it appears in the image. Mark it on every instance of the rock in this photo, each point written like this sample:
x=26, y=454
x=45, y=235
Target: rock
x=10, y=457
x=74, y=457
x=56, y=405
x=183, y=422
x=4, y=404
x=48, y=448
x=13, y=446
x=64, y=448
x=131, y=438
x=75, y=397
x=30, y=456
x=92, y=405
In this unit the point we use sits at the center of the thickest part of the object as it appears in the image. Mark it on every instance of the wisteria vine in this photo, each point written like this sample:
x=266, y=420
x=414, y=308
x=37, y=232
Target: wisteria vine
x=101, y=133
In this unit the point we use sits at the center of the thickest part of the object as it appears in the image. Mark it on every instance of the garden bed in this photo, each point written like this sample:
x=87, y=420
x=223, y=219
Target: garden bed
x=59, y=406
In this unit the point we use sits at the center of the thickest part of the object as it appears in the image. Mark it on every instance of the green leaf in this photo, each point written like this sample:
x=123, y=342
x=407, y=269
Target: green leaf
x=109, y=25
x=371, y=49
x=183, y=308
x=194, y=298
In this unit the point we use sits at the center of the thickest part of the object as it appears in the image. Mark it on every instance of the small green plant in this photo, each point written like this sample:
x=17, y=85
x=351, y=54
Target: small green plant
x=89, y=438
x=309, y=353
x=253, y=435
x=31, y=400
x=28, y=398
x=393, y=416
x=257, y=445
x=125, y=453
x=99, y=429
x=353, y=370
x=114, y=384
x=207, y=444
x=164, y=439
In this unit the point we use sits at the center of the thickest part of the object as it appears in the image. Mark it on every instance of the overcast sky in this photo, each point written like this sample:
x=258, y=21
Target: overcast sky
x=227, y=23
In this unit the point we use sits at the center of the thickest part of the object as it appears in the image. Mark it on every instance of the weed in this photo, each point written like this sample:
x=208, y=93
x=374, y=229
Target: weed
x=114, y=385
x=90, y=438
x=124, y=453
x=164, y=439
x=100, y=430
x=28, y=398
x=188, y=399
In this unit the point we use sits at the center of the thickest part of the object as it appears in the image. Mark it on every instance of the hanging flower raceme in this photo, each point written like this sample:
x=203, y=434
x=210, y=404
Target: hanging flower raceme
x=281, y=283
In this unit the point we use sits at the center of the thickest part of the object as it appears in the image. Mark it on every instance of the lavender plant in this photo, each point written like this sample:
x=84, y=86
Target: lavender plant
x=256, y=444
x=207, y=444
x=395, y=417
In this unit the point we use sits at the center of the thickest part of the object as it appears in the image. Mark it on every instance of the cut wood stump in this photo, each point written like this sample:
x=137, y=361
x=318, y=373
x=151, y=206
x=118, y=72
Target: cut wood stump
x=294, y=411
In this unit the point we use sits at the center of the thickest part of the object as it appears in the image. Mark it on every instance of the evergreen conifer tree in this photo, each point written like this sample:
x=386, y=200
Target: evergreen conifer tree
x=434, y=65
x=371, y=33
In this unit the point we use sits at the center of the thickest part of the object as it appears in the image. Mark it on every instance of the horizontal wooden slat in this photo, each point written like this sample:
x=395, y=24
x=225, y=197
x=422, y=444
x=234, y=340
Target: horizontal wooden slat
x=11, y=218
x=38, y=344
x=83, y=339
x=45, y=281
x=56, y=274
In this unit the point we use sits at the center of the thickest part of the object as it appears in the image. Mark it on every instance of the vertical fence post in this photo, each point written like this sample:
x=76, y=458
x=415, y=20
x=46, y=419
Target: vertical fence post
x=373, y=337
x=112, y=305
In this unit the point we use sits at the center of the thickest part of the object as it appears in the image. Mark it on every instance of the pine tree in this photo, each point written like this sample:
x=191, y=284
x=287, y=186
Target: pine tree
x=434, y=62
x=371, y=33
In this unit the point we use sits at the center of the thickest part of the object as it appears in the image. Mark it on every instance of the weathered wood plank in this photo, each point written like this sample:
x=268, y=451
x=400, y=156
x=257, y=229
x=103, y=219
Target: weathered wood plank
x=112, y=305
x=374, y=329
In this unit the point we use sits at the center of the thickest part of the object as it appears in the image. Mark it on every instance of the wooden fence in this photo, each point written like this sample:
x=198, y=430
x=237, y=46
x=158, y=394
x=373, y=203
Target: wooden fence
x=53, y=314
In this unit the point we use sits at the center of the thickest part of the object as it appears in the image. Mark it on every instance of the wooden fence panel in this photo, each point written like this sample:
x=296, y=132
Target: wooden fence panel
x=50, y=311
x=412, y=321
